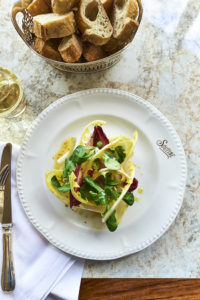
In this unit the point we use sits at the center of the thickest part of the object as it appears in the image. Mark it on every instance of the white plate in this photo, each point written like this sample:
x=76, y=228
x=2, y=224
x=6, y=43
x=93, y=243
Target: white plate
x=159, y=152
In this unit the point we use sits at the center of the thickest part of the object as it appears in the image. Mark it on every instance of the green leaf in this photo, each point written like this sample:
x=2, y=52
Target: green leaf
x=96, y=164
x=108, y=207
x=65, y=188
x=82, y=154
x=99, y=198
x=84, y=190
x=112, y=222
x=129, y=198
x=78, y=154
x=109, y=181
x=109, y=153
x=110, y=192
x=102, y=198
x=69, y=165
x=99, y=144
x=93, y=184
x=93, y=195
x=111, y=163
x=92, y=191
x=120, y=152
x=55, y=181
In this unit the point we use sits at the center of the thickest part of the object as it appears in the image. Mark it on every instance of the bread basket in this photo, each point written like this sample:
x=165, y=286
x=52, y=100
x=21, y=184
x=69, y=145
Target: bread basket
x=88, y=67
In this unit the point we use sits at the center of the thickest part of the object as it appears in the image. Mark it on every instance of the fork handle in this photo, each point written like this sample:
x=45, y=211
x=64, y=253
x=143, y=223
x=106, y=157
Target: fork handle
x=8, y=274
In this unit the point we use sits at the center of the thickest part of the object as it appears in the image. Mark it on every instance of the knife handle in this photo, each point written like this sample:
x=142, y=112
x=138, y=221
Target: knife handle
x=8, y=274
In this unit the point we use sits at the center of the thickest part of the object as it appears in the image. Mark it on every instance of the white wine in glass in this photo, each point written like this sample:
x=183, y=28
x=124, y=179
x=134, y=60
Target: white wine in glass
x=12, y=102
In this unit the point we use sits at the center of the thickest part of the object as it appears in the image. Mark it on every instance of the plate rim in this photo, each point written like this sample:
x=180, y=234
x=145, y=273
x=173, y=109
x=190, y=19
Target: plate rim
x=181, y=188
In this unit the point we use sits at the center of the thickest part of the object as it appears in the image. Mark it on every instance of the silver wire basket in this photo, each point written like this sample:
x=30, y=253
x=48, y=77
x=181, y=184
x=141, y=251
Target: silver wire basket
x=85, y=67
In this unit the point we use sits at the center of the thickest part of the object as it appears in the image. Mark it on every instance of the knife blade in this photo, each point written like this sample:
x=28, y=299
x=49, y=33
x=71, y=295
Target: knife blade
x=3, y=177
x=6, y=160
x=8, y=274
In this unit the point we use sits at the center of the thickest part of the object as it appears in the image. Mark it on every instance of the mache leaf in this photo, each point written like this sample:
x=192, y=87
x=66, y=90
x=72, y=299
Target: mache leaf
x=55, y=181
x=120, y=154
x=129, y=198
x=111, y=163
x=65, y=188
x=112, y=222
x=109, y=181
x=111, y=192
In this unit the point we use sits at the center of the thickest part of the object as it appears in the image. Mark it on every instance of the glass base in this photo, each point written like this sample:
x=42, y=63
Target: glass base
x=16, y=112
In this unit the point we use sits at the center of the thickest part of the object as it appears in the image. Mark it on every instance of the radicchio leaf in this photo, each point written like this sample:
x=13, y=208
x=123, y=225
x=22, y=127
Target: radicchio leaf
x=99, y=135
x=73, y=201
x=133, y=185
x=79, y=177
x=100, y=182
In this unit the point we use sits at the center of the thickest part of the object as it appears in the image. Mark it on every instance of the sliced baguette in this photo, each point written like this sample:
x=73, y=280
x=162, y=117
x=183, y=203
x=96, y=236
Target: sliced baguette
x=123, y=19
x=107, y=5
x=70, y=48
x=25, y=3
x=93, y=22
x=46, y=49
x=38, y=7
x=48, y=26
x=92, y=52
x=63, y=6
x=113, y=46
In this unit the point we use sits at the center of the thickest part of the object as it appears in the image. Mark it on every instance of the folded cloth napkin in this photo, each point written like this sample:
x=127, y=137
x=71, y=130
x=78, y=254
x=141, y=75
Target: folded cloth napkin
x=42, y=271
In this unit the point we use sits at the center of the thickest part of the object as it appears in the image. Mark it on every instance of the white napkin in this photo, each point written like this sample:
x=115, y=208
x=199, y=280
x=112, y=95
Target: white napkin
x=42, y=271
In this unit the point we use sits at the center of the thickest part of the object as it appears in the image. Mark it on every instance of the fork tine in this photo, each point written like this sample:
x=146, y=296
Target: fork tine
x=4, y=174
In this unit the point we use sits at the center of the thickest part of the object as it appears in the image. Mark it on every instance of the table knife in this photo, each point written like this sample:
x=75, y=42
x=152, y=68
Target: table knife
x=3, y=177
x=8, y=274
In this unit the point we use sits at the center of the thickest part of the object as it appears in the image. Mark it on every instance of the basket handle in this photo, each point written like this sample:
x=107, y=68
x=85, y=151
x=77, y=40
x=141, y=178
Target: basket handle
x=15, y=10
x=140, y=11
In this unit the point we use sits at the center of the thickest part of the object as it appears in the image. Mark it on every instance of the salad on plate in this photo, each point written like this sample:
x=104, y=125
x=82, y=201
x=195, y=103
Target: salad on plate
x=97, y=174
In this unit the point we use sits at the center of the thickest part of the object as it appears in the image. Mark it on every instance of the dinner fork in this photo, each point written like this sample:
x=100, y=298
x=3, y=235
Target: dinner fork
x=3, y=176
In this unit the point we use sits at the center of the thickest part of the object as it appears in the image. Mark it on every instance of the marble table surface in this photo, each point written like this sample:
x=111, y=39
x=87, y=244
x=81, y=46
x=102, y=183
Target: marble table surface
x=162, y=66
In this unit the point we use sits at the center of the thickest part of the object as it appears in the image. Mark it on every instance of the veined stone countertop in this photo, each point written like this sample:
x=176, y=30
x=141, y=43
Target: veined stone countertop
x=162, y=65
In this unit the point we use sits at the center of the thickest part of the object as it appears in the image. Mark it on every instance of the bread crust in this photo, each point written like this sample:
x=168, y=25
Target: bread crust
x=127, y=32
x=92, y=52
x=71, y=49
x=93, y=22
x=38, y=7
x=107, y=4
x=46, y=49
x=63, y=6
x=25, y=3
x=113, y=46
x=123, y=19
x=52, y=25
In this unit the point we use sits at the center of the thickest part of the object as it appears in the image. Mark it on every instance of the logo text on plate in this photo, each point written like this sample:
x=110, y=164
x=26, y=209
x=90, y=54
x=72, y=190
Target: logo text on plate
x=164, y=148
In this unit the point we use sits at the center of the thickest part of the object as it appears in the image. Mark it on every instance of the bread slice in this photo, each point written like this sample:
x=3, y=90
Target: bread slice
x=46, y=49
x=113, y=46
x=107, y=4
x=92, y=52
x=38, y=7
x=63, y=6
x=70, y=48
x=25, y=3
x=93, y=22
x=48, y=26
x=123, y=19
